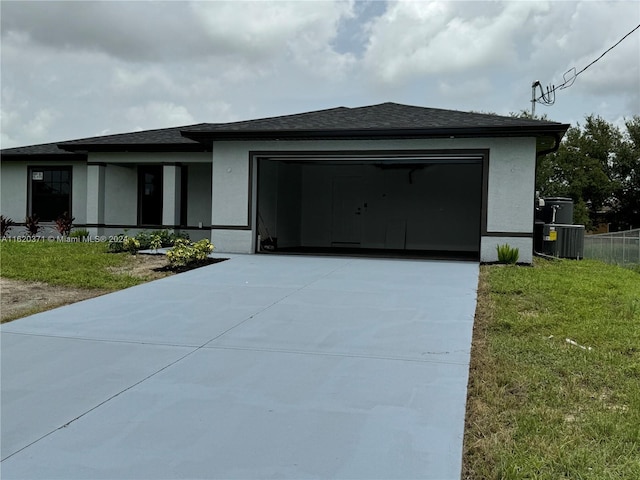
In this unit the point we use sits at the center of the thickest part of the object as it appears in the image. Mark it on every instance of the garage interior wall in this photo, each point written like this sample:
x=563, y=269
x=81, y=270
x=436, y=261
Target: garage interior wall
x=324, y=204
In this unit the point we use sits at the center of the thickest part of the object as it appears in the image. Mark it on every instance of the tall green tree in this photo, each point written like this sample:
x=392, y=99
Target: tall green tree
x=626, y=177
x=598, y=166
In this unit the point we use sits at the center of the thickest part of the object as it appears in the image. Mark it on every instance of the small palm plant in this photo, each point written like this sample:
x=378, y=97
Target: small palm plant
x=507, y=254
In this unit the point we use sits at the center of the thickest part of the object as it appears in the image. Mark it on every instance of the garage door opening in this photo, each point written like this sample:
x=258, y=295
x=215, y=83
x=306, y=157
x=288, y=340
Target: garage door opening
x=424, y=207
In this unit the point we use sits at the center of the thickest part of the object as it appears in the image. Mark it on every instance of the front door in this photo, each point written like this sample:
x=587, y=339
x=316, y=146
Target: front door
x=150, y=195
x=347, y=210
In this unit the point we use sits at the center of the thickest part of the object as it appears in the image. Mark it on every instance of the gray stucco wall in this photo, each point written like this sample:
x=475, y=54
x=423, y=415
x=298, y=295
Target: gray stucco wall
x=509, y=197
x=121, y=183
x=14, y=190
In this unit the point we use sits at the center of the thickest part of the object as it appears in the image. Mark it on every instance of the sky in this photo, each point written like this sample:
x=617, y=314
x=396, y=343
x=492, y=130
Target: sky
x=77, y=69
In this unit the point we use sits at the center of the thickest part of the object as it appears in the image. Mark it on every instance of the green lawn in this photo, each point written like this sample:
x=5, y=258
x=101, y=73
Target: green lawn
x=538, y=406
x=71, y=264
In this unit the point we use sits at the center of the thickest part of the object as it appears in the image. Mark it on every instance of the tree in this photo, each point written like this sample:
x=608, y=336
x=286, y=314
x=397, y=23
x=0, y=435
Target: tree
x=626, y=177
x=597, y=165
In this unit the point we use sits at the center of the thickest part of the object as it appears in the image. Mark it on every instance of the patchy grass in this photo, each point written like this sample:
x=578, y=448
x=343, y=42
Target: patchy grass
x=633, y=266
x=85, y=265
x=539, y=407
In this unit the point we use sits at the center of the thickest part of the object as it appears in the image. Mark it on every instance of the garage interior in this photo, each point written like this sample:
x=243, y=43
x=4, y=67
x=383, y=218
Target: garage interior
x=383, y=206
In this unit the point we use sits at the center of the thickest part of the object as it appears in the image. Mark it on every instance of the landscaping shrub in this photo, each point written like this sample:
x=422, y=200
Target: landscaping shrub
x=131, y=245
x=5, y=224
x=32, y=224
x=80, y=233
x=506, y=254
x=168, y=239
x=147, y=240
x=156, y=242
x=64, y=223
x=186, y=253
x=116, y=244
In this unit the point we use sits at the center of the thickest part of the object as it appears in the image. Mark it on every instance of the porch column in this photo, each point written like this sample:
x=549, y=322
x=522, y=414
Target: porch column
x=95, y=197
x=171, y=195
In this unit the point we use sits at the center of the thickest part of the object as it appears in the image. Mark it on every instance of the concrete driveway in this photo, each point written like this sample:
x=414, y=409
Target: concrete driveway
x=262, y=366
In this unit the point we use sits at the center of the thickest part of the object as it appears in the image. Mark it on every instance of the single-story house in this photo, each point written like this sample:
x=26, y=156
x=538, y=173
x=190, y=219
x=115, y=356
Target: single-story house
x=381, y=178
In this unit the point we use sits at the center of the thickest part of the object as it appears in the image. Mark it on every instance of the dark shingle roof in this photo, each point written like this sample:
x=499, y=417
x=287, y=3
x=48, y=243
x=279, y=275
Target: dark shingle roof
x=45, y=150
x=163, y=139
x=386, y=119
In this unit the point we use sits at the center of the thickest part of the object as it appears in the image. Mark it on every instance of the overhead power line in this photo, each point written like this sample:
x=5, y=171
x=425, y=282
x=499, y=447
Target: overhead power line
x=548, y=97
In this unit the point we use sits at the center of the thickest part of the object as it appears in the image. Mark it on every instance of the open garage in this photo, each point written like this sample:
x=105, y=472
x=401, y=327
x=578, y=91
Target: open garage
x=385, y=203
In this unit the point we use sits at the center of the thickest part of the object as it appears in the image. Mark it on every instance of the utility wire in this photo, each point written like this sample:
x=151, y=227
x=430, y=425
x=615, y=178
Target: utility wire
x=549, y=98
x=608, y=50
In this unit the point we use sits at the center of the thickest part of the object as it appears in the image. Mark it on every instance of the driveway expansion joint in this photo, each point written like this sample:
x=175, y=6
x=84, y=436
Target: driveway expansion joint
x=335, y=354
x=103, y=340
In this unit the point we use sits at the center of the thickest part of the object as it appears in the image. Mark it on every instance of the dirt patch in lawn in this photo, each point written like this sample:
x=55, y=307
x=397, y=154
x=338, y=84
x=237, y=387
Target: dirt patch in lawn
x=19, y=298
x=147, y=267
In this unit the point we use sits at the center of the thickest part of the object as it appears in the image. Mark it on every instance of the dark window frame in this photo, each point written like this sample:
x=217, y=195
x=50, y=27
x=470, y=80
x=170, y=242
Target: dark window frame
x=31, y=188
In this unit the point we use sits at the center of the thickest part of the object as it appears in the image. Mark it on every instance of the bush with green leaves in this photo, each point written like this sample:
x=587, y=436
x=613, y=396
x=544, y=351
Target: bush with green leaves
x=156, y=242
x=147, y=240
x=507, y=254
x=115, y=244
x=131, y=245
x=144, y=240
x=186, y=253
x=166, y=238
x=80, y=233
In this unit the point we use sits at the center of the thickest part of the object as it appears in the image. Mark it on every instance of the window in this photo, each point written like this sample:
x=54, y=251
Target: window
x=50, y=192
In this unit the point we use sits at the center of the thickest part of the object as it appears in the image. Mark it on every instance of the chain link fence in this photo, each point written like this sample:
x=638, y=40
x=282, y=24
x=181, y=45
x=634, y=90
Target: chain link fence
x=621, y=248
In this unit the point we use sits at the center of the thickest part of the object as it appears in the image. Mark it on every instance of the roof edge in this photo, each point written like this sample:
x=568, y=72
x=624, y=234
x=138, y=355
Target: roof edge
x=460, y=132
x=134, y=147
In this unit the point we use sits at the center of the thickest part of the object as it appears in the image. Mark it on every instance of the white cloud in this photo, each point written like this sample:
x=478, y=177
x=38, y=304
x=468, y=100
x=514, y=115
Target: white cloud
x=579, y=40
x=34, y=129
x=9, y=120
x=149, y=31
x=421, y=38
x=159, y=115
x=143, y=79
x=38, y=127
x=266, y=27
x=269, y=32
x=465, y=89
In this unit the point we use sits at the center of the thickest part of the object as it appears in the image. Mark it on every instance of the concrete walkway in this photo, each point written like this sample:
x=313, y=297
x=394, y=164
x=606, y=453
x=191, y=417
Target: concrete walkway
x=262, y=366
